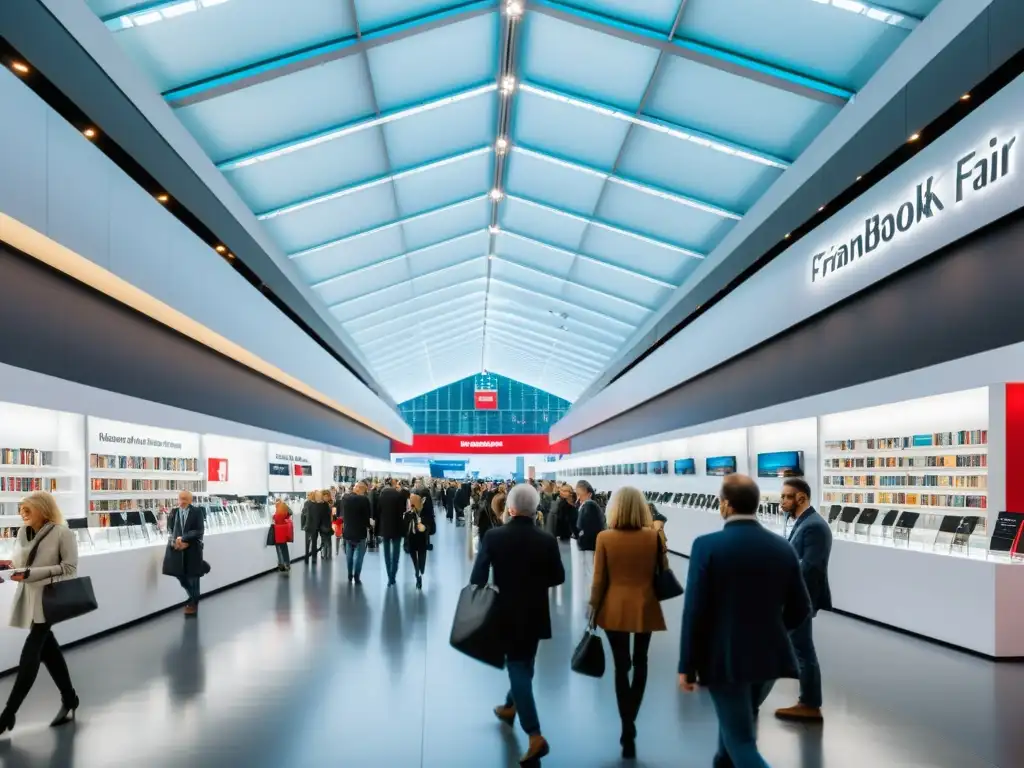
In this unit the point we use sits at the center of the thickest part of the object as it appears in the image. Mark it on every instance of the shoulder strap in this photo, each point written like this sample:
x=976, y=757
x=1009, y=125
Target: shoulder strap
x=35, y=546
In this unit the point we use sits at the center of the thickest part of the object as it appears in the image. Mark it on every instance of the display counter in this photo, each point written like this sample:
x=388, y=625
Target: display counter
x=129, y=584
x=964, y=599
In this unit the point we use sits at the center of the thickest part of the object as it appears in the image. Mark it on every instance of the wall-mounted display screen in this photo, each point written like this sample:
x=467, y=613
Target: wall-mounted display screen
x=720, y=465
x=685, y=467
x=641, y=469
x=281, y=470
x=658, y=467
x=780, y=464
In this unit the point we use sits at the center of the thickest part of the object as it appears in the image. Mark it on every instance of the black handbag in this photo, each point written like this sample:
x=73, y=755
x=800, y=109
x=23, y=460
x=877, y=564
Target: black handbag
x=588, y=658
x=67, y=599
x=271, y=540
x=666, y=585
x=475, y=629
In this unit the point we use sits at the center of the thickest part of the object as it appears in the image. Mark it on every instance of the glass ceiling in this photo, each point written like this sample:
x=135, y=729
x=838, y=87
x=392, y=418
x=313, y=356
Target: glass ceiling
x=504, y=186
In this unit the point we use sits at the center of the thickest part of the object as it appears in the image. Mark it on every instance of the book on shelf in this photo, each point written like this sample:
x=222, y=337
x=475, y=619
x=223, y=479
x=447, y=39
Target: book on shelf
x=961, y=437
x=948, y=461
x=904, y=499
x=27, y=484
x=976, y=482
x=125, y=484
x=29, y=457
x=152, y=463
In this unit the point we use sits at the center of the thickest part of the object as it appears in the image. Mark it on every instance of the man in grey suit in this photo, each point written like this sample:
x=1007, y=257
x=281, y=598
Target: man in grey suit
x=811, y=537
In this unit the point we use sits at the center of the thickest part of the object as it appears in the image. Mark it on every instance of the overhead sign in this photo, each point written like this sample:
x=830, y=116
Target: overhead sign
x=975, y=171
x=486, y=399
x=503, y=444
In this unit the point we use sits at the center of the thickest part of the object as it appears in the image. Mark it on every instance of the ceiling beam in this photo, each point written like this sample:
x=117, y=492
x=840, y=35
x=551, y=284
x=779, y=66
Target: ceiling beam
x=639, y=186
x=428, y=327
x=297, y=61
x=398, y=352
x=574, y=307
x=406, y=315
x=509, y=339
x=409, y=281
x=539, y=316
x=551, y=275
x=386, y=226
x=544, y=329
x=591, y=221
x=675, y=130
x=518, y=328
x=727, y=61
x=391, y=310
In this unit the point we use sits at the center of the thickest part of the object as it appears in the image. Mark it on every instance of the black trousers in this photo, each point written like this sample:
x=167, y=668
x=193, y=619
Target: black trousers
x=419, y=558
x=41, y=647
x=312, y=538
x=629, y=695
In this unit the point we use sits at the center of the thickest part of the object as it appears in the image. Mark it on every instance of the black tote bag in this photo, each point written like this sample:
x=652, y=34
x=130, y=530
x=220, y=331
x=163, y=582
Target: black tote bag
x=588, y=658
x=68, y=599
x=666, y=585
x=476, y=630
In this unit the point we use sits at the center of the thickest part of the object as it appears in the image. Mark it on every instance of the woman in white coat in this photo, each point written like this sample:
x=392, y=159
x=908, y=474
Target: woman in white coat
x=55, y=557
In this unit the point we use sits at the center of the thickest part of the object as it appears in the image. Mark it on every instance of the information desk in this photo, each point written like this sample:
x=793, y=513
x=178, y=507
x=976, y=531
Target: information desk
x=970, y=602
x=129, y=584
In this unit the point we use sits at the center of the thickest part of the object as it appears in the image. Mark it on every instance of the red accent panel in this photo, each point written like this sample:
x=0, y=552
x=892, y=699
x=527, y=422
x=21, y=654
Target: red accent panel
x=511, y=444
x=486, y=399
x=217, y=470
x=1015, y=447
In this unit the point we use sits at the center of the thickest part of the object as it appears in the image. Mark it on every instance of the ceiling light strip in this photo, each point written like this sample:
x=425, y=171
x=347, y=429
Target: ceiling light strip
x=407, y=281
x=691, y=135
x=584, y=257
x=371, y=183
x=646, y=189
x=151, y=13
x=399, y=257
x=338, y=132
x=875, y=12
x=385, y=227
x=608, y=227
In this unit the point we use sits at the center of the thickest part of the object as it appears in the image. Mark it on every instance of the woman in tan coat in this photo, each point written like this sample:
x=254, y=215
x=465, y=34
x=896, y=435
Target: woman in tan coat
x=622, y=595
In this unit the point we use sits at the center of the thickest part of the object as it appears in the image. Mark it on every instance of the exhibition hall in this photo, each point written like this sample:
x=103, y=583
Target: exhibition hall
x=578, y=383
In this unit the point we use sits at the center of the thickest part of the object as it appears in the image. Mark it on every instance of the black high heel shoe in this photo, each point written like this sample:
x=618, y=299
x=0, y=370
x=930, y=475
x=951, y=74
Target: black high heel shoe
x=6, y=723
x=66, y=714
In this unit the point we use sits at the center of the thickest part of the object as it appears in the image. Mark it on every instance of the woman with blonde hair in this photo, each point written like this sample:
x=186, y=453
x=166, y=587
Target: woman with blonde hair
x=623, y=602
x=46, y=551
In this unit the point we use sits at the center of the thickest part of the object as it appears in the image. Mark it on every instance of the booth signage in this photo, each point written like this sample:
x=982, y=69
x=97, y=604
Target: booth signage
x=503, y=444
x=486, y=399
x=973, y=172
x=146, y=442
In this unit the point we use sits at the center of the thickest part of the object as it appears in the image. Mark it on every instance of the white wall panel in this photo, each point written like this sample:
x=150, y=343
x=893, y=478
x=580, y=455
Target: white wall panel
x=69, y=191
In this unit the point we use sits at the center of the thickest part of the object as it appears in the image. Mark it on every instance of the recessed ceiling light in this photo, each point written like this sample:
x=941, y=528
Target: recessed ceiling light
x=821, y=209
x=497, y=195
x=220, y=249
x=787, y=236
x=491, y=257
x=508, y=84
x=231, y=257
x=859, y=178
x=20, y=67
x=494, y=229
x=501, y=145
x=162, y=197
x=965, y=97
x=914, y=137
x=89, y=133
x=514, y=9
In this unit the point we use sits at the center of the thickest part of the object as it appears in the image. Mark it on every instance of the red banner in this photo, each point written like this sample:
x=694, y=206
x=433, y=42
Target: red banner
x=486, y=399
x=510, y=444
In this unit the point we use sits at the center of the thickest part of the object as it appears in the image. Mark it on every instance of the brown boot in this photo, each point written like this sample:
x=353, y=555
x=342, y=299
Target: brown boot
x=191, y=610
x=800, y=713
x=507, y=715
x=538, y=748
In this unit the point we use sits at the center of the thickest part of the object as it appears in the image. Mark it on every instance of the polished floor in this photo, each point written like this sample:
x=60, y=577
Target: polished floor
x=288, y=672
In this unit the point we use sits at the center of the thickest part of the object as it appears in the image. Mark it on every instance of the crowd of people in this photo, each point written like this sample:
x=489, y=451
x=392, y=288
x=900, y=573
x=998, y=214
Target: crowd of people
x=750, y=597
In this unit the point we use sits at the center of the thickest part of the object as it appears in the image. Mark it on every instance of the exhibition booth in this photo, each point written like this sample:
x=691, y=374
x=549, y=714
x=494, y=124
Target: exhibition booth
x=915, y=489
x=115, y=482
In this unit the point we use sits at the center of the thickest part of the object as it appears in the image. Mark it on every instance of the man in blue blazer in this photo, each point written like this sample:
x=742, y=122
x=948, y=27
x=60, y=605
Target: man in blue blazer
x=811, y=537
x=744, y=593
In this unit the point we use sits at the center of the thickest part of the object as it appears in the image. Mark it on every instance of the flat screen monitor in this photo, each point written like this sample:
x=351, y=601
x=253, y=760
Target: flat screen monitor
x=685, y=467
x=780, y=464
x=720, y=465
x=641, y=469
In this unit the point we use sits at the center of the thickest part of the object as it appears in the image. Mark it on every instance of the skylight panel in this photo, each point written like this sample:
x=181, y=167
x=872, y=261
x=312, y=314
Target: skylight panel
x=157, y=12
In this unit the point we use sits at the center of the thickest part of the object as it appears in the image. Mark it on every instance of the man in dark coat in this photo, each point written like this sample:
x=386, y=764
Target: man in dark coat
x=391, y=506
x=355, y=515
x=527, y=562
x=184, y=556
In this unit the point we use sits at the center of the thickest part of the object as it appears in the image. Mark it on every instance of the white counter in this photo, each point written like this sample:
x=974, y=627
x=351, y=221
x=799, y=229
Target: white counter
x=967, y=602
x=129, y=585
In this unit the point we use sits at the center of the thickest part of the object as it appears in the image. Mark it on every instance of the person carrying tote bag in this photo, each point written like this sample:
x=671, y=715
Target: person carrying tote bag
x=624, y=602
x=46, y=551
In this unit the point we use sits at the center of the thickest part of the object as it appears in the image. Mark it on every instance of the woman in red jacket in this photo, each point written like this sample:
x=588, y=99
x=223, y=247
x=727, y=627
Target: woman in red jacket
x=284, y=532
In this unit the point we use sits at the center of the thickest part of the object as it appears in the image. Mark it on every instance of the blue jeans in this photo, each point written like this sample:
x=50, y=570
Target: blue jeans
x=737, y=741
x=283, y=557
x=810, y=673
x=520, y=695
x=354, y=552
x=191, y=586
x=392, y=554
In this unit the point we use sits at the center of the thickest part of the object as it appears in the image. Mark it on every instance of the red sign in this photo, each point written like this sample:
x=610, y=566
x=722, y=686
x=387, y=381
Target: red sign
x=486, y=399
x=217, y=470
x=512, y=444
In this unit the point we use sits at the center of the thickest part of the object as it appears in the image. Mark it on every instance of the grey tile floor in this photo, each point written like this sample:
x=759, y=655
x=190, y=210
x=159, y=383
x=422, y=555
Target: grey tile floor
x=305, y=671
